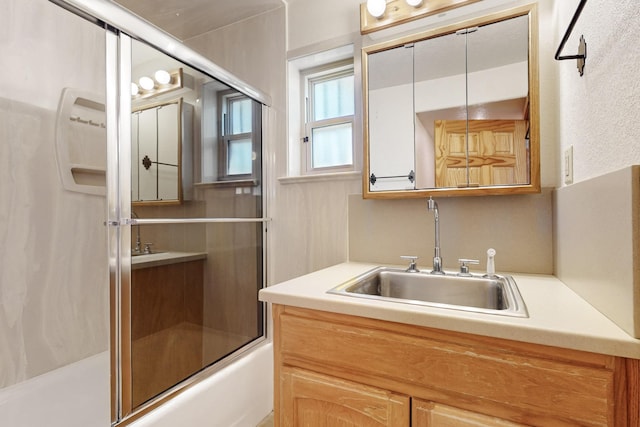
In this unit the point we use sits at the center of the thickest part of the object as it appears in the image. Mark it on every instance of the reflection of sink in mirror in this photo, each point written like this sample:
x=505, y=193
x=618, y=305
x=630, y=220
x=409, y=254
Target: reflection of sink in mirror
x=497, y=295
x=146, y=253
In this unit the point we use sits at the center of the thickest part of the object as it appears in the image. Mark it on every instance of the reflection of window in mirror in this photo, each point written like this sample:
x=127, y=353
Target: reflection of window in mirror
x=236, y=151
x=329, y=108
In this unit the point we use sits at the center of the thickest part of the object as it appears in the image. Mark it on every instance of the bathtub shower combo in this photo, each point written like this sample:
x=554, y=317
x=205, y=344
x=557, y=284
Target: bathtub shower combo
x=136, y=220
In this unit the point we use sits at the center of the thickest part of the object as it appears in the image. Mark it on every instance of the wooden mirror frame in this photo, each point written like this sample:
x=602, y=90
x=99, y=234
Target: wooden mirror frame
x=534, y=110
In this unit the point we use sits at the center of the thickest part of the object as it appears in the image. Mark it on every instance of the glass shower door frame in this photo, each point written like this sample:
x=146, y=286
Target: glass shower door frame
x=119, y=220
x=119, y=48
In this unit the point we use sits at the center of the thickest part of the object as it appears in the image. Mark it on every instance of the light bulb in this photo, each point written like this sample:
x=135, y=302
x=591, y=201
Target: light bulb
x=376, y=7
x=162, y=77
x=134, y=89
x=146, y=83
x=414, y=3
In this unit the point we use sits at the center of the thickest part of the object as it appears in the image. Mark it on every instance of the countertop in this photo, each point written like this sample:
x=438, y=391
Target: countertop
x=557, y=315
x=164, y=258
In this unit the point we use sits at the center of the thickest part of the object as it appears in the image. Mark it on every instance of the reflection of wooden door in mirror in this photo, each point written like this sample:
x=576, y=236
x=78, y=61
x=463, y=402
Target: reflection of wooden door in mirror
x=497, y=153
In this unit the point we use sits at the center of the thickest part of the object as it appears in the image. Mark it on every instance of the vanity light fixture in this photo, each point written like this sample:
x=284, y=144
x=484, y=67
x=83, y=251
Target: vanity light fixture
x=146, y=83
x=162, y=77
x=376, y=7
x=379, y=14
x=163, y=82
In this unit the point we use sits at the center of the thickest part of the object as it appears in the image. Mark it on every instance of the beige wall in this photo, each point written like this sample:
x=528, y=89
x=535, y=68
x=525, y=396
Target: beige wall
x=519, y=228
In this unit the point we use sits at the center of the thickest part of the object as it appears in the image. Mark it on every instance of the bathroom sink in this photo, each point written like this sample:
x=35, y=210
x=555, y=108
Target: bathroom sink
x=496, y=295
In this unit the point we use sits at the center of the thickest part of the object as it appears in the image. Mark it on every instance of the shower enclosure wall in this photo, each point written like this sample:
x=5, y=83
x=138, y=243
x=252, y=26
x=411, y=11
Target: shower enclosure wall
x=164, y=286
x=54, y=294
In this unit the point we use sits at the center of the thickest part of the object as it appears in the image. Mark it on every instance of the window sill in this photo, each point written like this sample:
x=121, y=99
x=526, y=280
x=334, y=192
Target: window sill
x=227, y=184
x=321, y=177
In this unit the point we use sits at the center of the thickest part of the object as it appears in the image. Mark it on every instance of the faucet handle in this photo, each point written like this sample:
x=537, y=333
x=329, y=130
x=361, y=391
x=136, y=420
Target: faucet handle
x=412, y=263
x=464, y=266
x=147, y=248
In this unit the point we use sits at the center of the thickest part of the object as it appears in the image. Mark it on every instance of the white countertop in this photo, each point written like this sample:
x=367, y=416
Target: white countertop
x=557, y=315
x=164, y=258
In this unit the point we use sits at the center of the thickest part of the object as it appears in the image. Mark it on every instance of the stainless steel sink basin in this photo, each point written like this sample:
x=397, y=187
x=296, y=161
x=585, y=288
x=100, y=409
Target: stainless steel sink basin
x=498, y=295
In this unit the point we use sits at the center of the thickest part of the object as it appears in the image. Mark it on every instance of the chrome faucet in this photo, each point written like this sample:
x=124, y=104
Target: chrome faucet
x=432, y=206
x=138, y=248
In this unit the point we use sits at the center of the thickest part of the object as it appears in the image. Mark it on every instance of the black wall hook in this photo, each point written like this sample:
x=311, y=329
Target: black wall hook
x=582, y=47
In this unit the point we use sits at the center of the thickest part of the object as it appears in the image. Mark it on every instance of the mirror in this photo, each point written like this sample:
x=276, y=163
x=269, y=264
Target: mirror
x=454, y=111
x=188, y=129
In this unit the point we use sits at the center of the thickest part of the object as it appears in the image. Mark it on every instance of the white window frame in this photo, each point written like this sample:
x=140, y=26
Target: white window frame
x=226, y=137
x=309, y=78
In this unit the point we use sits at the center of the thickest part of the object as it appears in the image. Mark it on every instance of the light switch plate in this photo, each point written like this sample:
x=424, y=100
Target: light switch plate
x=568, y=165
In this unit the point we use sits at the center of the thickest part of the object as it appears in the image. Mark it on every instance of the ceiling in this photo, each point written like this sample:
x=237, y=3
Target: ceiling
x=189, y=18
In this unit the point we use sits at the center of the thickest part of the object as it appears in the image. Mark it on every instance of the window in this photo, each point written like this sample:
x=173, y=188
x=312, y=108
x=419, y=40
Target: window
x=236, y=152
x=329, y=108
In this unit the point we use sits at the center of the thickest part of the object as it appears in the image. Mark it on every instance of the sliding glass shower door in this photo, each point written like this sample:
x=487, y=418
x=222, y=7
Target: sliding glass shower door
x=187, y=223
x=185, y=208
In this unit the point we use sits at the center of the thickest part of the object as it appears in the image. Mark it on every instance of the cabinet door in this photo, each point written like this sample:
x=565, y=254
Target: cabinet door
x=430, y=414
x=148, y=154
x=310, y=399
x=168, y=146
x=135, y=163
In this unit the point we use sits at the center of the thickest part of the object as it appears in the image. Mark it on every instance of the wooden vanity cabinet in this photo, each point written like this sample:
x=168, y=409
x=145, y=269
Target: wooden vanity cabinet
x=339, y=370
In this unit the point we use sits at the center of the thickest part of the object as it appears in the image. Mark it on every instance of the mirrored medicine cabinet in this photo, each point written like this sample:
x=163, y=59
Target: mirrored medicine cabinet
x=454, y=111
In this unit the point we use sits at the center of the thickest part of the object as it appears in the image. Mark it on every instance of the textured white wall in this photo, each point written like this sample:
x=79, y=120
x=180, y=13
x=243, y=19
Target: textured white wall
x=598, y=112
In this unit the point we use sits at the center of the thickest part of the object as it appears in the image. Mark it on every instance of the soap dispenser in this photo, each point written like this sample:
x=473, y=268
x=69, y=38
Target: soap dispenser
x=491, y=266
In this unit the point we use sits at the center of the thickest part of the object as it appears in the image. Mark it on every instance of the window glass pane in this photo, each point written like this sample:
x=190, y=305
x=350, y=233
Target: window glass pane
x=241, y=116
x=333, y=98
x=239, y=157
x=332, y=146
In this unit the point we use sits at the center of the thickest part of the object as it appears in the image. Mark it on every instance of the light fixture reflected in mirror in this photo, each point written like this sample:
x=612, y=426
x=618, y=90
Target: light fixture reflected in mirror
x=162, y=82
x=146, y=83
x=414, y=3
x=162, y=77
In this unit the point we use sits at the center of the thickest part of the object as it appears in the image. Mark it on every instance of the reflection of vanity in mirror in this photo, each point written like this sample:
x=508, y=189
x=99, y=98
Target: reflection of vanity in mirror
x=454, y=111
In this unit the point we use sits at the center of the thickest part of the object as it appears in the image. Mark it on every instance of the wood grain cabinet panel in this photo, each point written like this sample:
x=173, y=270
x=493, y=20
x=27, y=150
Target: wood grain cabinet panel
x=453, y=375
x=312, y=399
x=430, y=414
x=166, y=326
